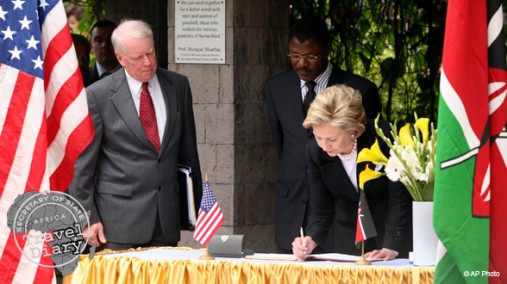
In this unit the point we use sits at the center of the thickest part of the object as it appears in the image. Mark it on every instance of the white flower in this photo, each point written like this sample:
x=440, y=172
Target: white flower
x=412, y=156
x=394, y=168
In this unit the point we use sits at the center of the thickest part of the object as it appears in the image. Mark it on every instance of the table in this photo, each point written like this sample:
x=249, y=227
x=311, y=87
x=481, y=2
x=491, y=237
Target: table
x=182, y=265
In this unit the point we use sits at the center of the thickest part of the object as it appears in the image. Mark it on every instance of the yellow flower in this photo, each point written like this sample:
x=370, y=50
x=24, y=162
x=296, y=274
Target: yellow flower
x=405, y=136
x=411, y=162
x=422, y=124
x=373, y=155
x=366, y=175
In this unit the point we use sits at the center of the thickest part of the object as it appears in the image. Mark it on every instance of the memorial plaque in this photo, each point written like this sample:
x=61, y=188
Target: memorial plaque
x=200, y=32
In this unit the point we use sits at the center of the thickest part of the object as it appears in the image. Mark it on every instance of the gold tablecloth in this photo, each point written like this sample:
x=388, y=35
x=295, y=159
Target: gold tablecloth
x=104, y=269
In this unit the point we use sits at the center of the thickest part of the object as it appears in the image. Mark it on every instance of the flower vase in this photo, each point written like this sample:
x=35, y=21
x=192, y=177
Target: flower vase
x=425, y=238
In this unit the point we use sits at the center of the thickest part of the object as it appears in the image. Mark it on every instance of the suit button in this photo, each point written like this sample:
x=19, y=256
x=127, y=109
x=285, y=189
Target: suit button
x=159, y=188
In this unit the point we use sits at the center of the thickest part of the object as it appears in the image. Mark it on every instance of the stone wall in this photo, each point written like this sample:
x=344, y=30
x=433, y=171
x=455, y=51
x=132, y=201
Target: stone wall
x=235, y=146
x=154, y=12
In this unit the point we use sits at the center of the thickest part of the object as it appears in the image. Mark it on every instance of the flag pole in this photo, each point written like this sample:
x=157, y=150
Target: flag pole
x=363, y=260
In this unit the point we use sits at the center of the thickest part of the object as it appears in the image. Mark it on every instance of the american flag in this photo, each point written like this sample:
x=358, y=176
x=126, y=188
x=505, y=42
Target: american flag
x=44, y=119
x=210, y=217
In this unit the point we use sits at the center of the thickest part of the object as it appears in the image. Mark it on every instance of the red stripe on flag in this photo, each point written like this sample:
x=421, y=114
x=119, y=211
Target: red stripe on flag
x=11, y=130
x=10, y=258
x=58, y=46
x=459, y=61
x=47, y=270
x=499, y=117
x=208, y=224
x=498, y=230
x=65, y=96
x=39, y=158
x=76, y=143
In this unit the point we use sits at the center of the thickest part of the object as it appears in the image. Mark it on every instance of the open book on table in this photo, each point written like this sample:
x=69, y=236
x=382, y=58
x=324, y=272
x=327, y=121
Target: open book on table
x=339, y=257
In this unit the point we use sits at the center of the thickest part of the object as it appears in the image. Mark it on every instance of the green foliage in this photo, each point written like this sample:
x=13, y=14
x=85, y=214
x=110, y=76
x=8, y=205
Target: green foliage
x=397, y=44
x=94, y=10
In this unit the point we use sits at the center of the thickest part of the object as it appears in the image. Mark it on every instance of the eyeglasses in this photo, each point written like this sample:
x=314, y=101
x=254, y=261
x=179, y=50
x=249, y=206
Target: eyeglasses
x=297, y=57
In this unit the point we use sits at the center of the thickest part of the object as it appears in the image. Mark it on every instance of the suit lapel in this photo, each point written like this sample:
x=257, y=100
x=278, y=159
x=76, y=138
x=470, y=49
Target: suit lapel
x=293, y=101
x=124, y=104
x=334, y=174
x=171, y=106
x=294, y=98
x=337, y=76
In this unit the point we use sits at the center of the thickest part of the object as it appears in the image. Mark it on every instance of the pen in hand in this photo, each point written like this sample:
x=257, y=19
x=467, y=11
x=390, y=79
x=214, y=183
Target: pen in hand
x=302, y=238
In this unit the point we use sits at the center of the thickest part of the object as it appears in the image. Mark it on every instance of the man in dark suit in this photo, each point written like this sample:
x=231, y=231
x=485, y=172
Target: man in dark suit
x=286, y=98
x=83, y=48
x=105, y=59
x=144, y=128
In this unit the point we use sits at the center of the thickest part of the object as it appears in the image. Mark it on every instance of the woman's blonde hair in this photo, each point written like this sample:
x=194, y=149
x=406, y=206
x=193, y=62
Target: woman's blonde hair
x=340, y=106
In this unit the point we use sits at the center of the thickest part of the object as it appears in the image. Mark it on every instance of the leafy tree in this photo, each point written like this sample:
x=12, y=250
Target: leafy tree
x=395, y=43
x=94, y=10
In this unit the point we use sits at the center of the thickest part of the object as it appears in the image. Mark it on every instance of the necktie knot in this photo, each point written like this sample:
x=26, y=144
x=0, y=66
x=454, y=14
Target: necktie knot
x=310, y=95
x=311, y=86
x=145, y=87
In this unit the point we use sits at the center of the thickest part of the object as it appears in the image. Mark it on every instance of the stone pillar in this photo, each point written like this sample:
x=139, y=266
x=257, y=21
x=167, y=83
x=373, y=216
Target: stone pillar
x=235, y=145
x=154, y=12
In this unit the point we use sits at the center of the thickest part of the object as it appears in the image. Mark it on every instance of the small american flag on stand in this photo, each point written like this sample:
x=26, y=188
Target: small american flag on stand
x=209, y=218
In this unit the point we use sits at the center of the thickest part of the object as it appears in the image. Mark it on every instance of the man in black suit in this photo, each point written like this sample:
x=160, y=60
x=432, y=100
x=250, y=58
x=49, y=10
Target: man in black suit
x=83, y=48
x=286, y=97
x=105, y=59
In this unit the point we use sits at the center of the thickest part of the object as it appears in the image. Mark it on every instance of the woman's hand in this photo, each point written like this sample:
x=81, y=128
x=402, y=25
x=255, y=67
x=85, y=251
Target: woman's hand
x=385, y=254
x=301, y=247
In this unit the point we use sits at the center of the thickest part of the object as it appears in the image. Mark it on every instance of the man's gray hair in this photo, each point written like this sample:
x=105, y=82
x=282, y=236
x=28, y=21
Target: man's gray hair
x=132, y=29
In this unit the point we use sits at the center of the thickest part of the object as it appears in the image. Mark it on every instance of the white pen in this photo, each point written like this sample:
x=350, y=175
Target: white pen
x=302, y=238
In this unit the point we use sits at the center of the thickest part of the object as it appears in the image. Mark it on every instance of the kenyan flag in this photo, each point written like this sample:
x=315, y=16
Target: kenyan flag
x=365, y=228
x=470, y=210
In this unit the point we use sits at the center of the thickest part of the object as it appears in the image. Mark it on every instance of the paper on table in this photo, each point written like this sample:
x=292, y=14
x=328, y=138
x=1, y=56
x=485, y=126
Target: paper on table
x=272, y=256
x=338, y=257
x=318, y=257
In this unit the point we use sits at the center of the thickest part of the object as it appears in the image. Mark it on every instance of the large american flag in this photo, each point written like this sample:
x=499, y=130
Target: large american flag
x=44, y=119
x=210, y=217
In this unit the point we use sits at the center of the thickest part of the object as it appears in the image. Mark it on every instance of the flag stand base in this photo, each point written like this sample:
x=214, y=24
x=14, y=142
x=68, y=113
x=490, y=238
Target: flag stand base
x=363, y=260
x=207, y=256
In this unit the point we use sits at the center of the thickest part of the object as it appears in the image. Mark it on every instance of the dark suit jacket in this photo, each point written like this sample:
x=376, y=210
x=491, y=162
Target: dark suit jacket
x=93, y=73
x=120, y=177
x=334, y=202
x=285, y=113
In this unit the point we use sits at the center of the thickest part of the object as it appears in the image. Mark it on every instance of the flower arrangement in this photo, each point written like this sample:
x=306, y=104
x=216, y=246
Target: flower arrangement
x=411, y=161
